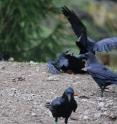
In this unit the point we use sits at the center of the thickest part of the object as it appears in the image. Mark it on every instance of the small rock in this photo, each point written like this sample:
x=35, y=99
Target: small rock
x=52, y=78
x=97, y=115
x=11, y=59
x=101, y=104
x=85, y=117
x=21, y=79
x=3, y=67
x=32, y=62
x=33, y=114
x=86, y=112
x=18, y=79
x=74, y=118
x=109, y=103
x=105, y=113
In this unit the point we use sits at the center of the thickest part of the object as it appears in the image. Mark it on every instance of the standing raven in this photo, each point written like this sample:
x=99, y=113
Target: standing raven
x=101, y=74
x=84, y=43
x=63, y=106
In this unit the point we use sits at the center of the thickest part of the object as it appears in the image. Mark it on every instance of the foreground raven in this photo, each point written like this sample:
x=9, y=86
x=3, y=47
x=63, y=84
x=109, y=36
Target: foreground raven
x=101, y=74
x=84, y=43
x=63, y=106
x=66, y=63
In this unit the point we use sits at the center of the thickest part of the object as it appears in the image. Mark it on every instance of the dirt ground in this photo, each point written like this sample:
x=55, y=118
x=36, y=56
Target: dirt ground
x=26, y=87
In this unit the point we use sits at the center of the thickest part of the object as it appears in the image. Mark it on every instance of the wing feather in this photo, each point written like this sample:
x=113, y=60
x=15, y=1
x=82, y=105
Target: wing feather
x=106, y=44
x=77, y=25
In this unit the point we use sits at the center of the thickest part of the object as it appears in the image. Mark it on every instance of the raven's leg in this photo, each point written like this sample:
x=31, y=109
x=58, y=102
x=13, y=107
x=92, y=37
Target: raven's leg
x=66, y=120
x=106, y=89
x=56, y=120
x=102, y=90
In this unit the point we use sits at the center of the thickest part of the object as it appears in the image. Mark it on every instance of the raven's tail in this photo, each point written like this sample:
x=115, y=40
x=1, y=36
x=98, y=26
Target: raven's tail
x=48, y=105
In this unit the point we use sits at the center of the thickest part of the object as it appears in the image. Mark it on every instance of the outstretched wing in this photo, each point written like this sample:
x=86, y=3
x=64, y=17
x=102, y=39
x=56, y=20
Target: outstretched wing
x=106, y=44
x=78, y=27
x=55, y=67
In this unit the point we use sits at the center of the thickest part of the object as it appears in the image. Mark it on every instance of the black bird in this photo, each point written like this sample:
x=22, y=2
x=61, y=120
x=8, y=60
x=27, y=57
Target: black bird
x=67, y=63
x=101, y=74
x=63, y=106
x=85, y=43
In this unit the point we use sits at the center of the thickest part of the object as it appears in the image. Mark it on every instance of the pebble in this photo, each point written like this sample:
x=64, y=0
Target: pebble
x=33, y=114
x=101, y=104
x=53, y=78
x=85, y=117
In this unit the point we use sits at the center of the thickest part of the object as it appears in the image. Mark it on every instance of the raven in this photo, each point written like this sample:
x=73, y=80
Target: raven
x=63, y=106
x=101, y=74
x=85, y=43
x=66, y=63
x=74, y=64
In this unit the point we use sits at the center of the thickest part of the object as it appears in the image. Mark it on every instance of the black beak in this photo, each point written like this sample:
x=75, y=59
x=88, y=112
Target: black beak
x=69, y=97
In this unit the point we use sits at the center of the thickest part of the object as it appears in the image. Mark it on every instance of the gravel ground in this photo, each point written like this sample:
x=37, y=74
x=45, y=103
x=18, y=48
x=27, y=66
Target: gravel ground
x=26, y=87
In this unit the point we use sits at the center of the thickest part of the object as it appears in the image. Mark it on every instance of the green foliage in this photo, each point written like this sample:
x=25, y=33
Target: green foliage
x=37, y=30
x=23, y=27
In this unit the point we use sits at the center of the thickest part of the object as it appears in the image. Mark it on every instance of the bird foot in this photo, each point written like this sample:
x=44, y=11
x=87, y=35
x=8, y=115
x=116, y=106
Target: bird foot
x=107, y=89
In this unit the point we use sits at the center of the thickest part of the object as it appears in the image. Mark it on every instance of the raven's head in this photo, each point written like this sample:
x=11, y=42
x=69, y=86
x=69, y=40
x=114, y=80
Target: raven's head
x=68, y=94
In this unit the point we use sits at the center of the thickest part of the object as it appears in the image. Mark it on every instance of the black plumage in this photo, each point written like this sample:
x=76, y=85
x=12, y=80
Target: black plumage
x=67, y=63
x=63, y=106
x=101, y=74
x=85, y=43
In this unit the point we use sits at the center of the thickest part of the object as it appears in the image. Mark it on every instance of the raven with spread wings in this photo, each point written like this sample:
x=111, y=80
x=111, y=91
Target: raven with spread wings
x=84, y=43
